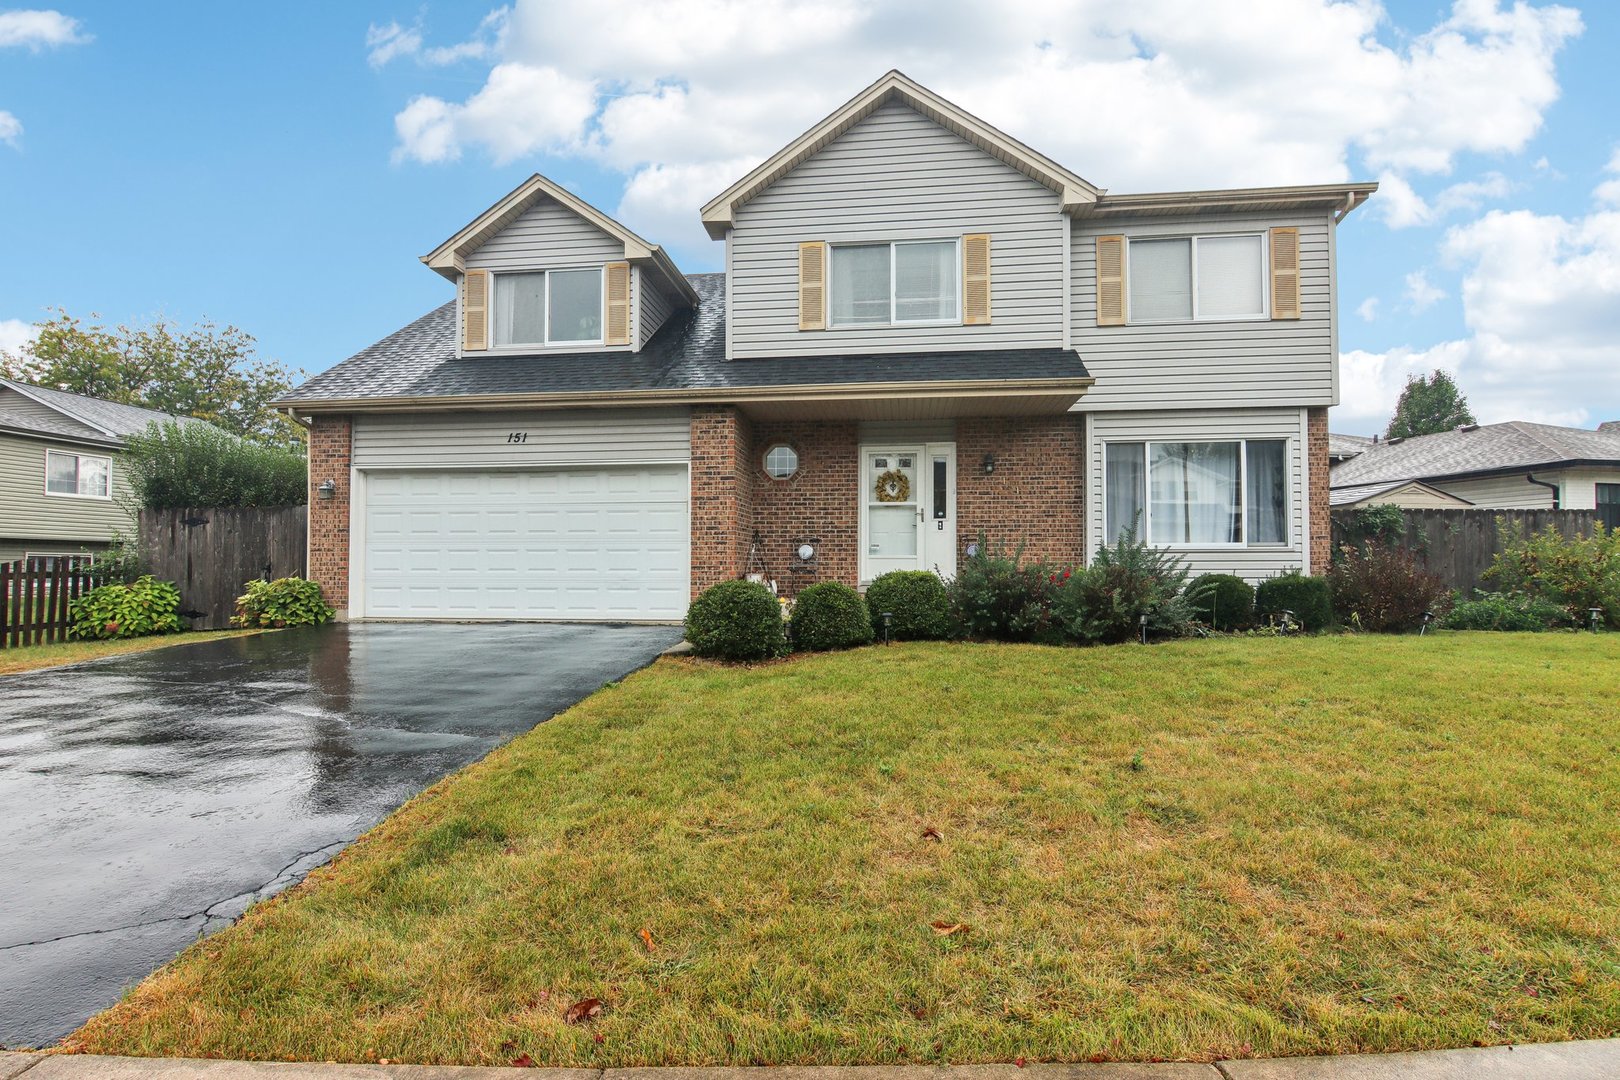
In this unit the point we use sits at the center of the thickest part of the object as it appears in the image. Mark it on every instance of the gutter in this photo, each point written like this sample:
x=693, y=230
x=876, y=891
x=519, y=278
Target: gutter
x=1554, y=488
x=741, y=395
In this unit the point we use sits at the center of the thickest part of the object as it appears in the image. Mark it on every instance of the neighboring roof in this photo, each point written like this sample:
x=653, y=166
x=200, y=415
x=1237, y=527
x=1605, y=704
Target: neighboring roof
x=684, y=361
x=1074, y=192
x=1350, y=496
x=1342, y=198
x=448, y=257
x=1470, y=451
x=1346, y=446
x=110, y=421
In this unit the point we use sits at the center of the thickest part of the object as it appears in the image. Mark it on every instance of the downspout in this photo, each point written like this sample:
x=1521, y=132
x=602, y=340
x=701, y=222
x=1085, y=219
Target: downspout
x=1548, y=485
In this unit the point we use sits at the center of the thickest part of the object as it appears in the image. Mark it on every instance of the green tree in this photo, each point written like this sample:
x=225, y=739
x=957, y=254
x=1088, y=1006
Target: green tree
x=1427, y=406
x=211, y=373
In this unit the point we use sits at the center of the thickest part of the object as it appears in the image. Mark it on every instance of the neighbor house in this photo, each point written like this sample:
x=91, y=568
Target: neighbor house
x=59, y=473
x=927, y=333
x=1513, y=465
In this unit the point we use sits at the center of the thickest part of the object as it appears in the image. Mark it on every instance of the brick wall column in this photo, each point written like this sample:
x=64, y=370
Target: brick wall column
x=822, y=501
x=1317, y=466
x=1035, y=496
x=722, y=494
x=331, y=441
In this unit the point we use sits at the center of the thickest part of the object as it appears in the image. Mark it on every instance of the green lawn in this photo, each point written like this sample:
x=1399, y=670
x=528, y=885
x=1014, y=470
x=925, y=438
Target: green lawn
x=32, y=657
x=1195, y=850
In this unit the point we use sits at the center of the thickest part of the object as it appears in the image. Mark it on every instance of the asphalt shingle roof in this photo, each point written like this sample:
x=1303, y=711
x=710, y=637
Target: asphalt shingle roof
x=1347, y=446
x=1489, y=448
x=687, y=353
x=104, y=416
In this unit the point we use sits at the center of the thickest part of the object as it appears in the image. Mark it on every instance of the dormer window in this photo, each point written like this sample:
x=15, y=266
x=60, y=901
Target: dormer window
x=906, y=282
x=550, y=307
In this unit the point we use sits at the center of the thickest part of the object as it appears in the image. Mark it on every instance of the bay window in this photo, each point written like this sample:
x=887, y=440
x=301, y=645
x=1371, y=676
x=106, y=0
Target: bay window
x=911, y=281
x=548, y=307
x=1197, y=277
x=1197, y=494
x=82, y=475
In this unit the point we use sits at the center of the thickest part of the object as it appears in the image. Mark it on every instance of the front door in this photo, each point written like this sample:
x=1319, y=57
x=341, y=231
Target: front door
x=908, y=509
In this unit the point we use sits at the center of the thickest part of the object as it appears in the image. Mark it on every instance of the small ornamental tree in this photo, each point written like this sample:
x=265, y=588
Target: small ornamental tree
x=1429, y=406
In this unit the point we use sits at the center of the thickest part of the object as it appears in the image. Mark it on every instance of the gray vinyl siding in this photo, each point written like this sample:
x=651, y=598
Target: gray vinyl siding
x=1505, y=492
x=897, y=175
x=548, y=236
x=654, y=308
x=26, y=408
x=479, y=440
x=1236, y=363
x=1250, y=563
x=26, y=512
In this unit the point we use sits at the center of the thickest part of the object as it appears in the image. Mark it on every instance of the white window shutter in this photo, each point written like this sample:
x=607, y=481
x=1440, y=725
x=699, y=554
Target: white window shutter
x=813, y=285
x=616, y=287
x=1285, y=273
x=1110, y=281
x=474, y=310
x=976, y=279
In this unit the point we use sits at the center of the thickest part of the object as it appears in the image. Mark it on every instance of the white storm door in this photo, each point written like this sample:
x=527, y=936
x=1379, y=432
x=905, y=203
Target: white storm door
x=891, y=510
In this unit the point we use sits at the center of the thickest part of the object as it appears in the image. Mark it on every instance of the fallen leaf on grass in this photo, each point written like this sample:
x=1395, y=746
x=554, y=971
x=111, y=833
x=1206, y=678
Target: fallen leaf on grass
x=646, y=938
x=946, y=929
x=930, y=833
x=523, y=1061
x=581, y=1011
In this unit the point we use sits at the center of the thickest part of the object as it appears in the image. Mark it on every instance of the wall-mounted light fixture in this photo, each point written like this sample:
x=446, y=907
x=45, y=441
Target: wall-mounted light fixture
x=806, y=552
x=989, y=464
x=327, y=489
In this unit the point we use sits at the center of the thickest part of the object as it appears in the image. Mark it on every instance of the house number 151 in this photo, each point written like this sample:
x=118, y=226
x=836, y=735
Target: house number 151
x=517, y=437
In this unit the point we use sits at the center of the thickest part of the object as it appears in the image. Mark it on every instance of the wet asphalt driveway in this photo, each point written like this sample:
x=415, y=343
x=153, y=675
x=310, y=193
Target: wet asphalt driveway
x=147, y=799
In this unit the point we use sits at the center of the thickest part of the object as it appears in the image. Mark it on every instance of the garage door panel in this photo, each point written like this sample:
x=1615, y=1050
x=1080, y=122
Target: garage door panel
x=541, y=544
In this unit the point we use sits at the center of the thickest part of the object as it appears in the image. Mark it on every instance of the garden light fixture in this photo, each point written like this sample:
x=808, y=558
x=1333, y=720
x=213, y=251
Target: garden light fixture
x=1428, y=617
x=1142, y=621
x=1594, y=615
x=888, y=618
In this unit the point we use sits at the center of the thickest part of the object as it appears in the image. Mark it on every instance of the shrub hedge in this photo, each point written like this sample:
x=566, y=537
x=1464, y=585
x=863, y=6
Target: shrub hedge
x=1309, y=598
x=830, y=615
x=1225, y=600
x=917, y=602
x=736, y=620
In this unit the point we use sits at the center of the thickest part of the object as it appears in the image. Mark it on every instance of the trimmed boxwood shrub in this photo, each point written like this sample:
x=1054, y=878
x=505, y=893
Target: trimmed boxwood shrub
x=287, y=601
x=144, y=606
x=1226, y=600
x=736, y=620
x=830, y=615
x=917, y=601
x=1309, y=598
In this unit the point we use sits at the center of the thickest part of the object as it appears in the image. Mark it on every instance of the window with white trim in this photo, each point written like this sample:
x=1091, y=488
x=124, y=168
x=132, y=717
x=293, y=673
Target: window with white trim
x=548, y=307
x=1192, y=278
x=893, y=284
x=84, y=476
x=1198, y=494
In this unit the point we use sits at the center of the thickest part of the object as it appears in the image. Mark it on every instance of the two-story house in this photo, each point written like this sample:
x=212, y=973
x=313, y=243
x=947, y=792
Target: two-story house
x=926, y=332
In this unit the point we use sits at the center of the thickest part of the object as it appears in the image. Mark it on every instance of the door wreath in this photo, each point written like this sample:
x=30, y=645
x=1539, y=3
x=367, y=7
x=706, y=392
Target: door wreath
x=893, y=486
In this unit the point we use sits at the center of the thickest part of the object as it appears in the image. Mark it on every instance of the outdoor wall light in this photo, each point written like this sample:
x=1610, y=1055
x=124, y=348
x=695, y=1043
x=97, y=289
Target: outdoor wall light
x=807, y=552
x=327, y=489
x=989, y=464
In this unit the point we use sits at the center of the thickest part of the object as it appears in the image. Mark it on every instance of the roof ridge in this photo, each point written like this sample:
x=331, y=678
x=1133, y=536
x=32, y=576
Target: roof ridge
x=1520, y=425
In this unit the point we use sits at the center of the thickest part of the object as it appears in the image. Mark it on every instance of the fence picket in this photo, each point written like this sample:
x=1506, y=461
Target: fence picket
x=36, y=598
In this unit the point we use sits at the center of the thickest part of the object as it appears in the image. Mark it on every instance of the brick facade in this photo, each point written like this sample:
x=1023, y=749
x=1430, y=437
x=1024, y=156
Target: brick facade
x=330, y=446
x=1317, y=463
x=820, y=502
x=722, y=494
x=1036, y=494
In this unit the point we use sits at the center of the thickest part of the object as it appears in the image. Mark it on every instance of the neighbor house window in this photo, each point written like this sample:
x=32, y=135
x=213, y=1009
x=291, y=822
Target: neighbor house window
x=914, y=281
x=1197, y=277
x=548, y=307
x=1608, y=505
x=1198, y=494
x=82, y=475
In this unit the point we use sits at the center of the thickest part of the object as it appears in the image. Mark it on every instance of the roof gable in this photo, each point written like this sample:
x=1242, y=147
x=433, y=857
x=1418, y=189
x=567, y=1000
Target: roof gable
x=1073, y=191
x=448, y=258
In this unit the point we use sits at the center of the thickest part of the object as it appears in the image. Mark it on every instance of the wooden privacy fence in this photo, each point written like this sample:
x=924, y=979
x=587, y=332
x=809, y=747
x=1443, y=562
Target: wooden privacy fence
x=1460, y=545
x=35, y=595
x=209, y=553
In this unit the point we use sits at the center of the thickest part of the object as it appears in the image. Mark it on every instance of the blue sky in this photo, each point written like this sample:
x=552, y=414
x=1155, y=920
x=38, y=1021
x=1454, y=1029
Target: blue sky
x=284, y=173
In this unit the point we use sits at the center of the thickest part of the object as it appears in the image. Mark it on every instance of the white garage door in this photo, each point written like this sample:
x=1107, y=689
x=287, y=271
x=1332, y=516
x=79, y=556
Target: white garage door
x=594, y=543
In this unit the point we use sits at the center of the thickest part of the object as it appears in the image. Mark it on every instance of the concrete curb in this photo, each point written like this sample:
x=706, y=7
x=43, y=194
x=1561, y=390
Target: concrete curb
x=1588, y=1060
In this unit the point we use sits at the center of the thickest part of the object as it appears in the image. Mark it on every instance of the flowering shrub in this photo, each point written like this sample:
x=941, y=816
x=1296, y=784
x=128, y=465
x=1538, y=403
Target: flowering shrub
x=144, y=606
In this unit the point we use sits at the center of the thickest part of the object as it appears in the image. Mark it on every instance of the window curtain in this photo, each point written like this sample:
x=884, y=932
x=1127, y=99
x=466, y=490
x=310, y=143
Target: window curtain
x=1161, y=280
x=860, y=285
x=1123, y=479
x=1268, y=492
x=1197, y=493
x=520, y=309
x=924, y=282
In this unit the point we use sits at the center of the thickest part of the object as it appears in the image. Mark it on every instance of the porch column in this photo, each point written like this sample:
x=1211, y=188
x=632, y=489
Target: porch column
x=722, y=494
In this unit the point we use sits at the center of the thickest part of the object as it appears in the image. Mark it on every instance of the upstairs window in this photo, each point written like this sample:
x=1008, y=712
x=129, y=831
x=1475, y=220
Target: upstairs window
x=1182, y=278
x=1198, y=494
x=548, y=307
x=906, y=282
x=80, y=475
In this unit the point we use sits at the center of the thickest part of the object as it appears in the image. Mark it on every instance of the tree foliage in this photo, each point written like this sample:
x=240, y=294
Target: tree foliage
x=174, y=466
x=207, y=372
x=1429, y=406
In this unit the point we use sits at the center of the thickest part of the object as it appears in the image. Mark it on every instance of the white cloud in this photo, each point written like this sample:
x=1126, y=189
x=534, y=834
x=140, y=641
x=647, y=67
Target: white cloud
x=1421, y=295
x=1402, y=207
x=1152, y=95
x=1608, y=192
x=393, y=41
x=385, y=43
x=36, y=30
x=1368, y=309
x=11, y=128
x=14, y=334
